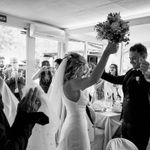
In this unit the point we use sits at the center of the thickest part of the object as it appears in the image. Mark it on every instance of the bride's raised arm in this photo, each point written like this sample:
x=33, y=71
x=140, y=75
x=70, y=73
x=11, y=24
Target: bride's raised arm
x=83, y=83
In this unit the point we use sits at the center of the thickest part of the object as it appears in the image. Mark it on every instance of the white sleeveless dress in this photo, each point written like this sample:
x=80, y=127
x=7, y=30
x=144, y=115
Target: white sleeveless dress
x=74, y=133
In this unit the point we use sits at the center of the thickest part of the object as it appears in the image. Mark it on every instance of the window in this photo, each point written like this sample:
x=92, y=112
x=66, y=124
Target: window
x=12, y=47
x=76, y=46
x=45, y=49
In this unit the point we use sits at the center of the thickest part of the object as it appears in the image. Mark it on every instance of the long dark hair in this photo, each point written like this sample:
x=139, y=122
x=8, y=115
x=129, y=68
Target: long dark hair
x=116, y=67
x=44, y=83
x=45, y=63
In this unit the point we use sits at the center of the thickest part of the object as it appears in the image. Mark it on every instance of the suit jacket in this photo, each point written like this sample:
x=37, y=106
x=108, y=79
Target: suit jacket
x=136, y=104
x=15, y=137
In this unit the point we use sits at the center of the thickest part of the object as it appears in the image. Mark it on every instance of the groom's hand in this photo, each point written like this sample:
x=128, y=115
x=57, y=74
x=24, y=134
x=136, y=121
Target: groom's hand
x=144, y=65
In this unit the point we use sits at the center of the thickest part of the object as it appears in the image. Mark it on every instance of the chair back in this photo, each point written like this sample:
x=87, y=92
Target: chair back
x=91, y=114
x=120, y=144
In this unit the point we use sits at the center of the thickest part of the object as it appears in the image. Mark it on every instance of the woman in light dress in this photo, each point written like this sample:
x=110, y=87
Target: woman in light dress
x=70, y=85
x=113, y=91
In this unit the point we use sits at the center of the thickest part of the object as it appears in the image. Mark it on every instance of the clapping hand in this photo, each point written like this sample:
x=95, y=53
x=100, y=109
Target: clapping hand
x=31, y=102
x=144, y=65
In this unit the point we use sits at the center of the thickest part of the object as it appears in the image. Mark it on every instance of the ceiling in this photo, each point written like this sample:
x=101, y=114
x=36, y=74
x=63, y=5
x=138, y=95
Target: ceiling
x=73, y=13
x=79, y=16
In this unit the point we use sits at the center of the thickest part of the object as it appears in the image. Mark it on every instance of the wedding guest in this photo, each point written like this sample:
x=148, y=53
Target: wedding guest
x=113, y=69
x=136, y=104
x=2, y=75
x=99, y=86
x=2, y=67
x=16, y=83
x=112, y=91
x=16, y=137
x=44, y=75
x=13, y=66
x=91, y=67
x=91, y=89
x=57, y=62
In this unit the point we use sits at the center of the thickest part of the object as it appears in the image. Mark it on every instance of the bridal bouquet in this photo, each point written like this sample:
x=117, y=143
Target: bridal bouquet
x=113, y=29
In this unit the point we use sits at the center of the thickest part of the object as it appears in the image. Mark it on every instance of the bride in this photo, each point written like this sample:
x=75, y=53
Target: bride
x=69, y=85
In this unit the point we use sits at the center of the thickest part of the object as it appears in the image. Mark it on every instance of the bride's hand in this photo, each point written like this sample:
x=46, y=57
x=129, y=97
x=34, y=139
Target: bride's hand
x=112, y=47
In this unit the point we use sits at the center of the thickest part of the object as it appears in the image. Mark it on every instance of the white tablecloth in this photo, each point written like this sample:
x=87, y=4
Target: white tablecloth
x=109, y=121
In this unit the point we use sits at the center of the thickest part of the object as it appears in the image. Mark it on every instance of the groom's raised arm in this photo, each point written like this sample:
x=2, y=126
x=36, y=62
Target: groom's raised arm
x=113, y=79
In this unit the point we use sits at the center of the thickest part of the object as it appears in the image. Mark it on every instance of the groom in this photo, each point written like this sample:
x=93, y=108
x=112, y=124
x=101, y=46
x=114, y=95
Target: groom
x=136, y=104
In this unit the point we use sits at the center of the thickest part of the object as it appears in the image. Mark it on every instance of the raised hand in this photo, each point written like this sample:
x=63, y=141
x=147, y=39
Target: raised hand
x=44, y=68
x=31, y=102
x=144, y=65
x=112, y=47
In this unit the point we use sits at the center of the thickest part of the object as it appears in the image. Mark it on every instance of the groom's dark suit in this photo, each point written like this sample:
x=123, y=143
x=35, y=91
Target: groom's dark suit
x=136, y=106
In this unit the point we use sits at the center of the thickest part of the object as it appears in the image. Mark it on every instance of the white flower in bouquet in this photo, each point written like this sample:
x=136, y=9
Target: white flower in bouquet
x=115, y=26
x=113, y=29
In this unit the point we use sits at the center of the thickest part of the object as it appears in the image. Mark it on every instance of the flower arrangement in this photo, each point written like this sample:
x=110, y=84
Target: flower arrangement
x=113, y=29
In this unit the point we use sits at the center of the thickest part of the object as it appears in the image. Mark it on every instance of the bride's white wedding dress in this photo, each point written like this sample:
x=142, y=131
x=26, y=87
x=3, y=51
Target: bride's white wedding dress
x=74, y=133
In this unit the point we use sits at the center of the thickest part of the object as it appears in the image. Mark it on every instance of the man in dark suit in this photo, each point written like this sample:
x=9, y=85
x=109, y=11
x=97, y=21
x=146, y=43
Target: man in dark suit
x=16, y=137
x=136, y=105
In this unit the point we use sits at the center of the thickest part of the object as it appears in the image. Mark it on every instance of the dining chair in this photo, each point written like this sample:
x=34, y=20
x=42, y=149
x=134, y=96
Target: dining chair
x=96, y=133
x=117, y=133
x=120, y=144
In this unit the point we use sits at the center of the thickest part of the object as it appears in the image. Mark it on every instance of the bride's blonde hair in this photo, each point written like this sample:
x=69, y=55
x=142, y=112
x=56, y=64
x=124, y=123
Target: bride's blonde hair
x=75, y=61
